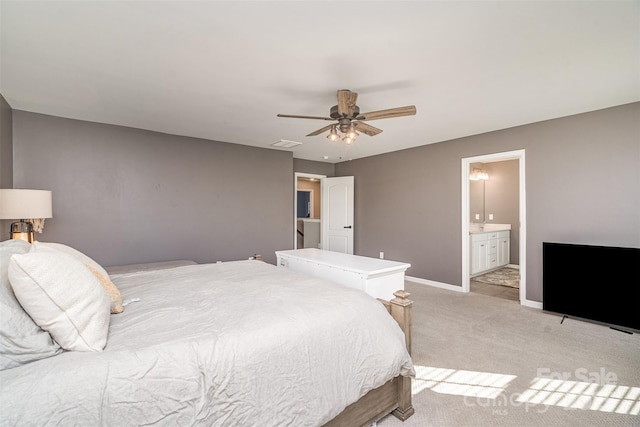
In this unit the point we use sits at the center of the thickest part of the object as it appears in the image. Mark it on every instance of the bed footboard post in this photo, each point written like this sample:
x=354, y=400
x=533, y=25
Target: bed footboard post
x=401, y=312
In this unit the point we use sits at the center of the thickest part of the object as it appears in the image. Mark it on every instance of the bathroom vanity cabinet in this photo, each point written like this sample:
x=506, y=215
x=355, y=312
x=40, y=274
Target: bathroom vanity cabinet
x=489, y=250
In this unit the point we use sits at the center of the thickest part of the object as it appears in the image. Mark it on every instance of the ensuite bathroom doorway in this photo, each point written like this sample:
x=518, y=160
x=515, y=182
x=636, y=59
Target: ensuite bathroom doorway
x=493, y=226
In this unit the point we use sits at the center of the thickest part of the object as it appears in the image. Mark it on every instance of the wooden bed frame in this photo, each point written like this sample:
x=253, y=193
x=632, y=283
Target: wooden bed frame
x=393, y=397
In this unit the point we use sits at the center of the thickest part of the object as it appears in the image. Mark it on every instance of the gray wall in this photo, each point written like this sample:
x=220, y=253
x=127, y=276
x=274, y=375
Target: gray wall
x=501, y=200
x=6, y=144
x=582, y=186
x=126, y=195
x=317, y=168
x=6, y=156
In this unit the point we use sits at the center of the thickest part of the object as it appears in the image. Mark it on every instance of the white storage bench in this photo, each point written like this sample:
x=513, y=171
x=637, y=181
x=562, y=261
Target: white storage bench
x=378, y=277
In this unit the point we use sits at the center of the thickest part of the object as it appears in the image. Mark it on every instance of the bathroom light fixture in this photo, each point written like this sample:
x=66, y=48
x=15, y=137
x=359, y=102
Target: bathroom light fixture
x=478, y=175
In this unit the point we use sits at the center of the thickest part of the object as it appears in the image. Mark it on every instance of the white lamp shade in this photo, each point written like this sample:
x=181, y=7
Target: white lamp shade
x=25, y=204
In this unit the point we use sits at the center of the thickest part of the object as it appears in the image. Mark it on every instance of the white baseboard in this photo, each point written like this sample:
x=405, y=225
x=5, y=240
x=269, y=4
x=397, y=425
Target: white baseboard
x=433, y=283
x=449, y=287
x=532, y=304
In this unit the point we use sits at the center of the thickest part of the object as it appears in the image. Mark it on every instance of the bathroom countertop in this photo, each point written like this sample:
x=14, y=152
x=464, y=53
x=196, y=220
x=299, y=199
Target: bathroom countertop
x=475, y=228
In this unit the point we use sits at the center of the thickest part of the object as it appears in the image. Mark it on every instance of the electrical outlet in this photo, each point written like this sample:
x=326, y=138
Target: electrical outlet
x=490, y=217
x=381, y=255
x=477, y=216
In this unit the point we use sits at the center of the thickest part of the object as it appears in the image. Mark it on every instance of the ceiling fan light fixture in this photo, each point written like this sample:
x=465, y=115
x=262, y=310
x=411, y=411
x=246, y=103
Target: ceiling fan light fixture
x=333, y=135
x=348, y=117
x=351, y=133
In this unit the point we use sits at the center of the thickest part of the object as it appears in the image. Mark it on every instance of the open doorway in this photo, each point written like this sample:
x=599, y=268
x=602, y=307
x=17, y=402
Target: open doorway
x=327, y=223
x=307, y=210
x=477, y=224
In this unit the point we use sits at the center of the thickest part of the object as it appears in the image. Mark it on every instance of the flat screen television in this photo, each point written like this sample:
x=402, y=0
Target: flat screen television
x=598, y=283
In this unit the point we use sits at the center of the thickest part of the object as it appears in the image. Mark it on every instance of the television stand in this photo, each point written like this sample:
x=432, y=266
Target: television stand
x=620, y=330
x=564, y=316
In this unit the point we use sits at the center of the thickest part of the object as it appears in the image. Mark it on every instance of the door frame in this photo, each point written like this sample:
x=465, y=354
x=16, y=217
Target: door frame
x=295, y=203
x=466, y=217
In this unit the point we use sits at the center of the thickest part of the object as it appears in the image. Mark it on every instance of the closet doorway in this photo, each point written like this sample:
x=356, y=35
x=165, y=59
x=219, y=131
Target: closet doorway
x=472, y=220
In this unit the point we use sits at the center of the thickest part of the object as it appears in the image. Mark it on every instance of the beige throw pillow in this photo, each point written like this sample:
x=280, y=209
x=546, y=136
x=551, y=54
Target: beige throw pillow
x=63, y=297
x=110, y=288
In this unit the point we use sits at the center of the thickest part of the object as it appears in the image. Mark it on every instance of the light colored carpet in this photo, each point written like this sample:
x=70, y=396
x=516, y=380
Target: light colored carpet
x=505, y=276
x=484, y=361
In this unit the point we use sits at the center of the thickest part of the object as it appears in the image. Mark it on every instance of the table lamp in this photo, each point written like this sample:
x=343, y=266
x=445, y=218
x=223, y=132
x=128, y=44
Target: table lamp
x=29, y=206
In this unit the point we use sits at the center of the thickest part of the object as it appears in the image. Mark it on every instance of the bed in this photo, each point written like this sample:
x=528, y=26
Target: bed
x=238, y=343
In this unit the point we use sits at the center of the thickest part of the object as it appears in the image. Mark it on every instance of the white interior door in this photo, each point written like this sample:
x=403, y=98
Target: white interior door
x=337, y=214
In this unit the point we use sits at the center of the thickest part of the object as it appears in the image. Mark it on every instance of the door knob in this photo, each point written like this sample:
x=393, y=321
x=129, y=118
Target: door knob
x=347, y=226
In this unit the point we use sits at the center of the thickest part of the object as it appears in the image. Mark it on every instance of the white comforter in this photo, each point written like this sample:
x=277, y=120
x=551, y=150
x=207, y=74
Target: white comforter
x=233, y=344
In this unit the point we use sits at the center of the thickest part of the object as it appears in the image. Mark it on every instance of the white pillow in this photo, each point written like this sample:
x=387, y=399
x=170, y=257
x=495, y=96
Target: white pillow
x=63, y=297
x=21, y=340
x=101, y=274
x=80, y=256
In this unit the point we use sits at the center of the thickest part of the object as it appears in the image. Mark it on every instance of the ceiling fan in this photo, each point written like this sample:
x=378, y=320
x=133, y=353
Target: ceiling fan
x=350, y=120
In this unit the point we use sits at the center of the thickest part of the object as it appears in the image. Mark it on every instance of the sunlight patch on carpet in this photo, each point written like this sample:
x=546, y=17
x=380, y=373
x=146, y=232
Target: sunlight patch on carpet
x=460, y=382
x=571, y=395
x=613, y=398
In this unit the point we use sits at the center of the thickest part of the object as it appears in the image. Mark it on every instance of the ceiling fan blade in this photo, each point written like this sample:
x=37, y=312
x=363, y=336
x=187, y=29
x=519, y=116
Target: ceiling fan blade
x=305, y=117
x=319, y=131
x=409, y=110
x=346, y=102
x=366, y=128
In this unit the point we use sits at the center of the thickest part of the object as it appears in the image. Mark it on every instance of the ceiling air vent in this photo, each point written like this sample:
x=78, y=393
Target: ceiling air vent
x=285, y=143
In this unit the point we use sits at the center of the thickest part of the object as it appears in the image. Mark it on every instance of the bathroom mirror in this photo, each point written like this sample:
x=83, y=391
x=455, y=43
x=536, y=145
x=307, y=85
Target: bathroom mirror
x=476, y=196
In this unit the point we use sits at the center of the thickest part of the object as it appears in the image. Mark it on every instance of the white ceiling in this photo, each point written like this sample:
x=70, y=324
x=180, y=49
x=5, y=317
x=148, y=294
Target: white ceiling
x=222, y=70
